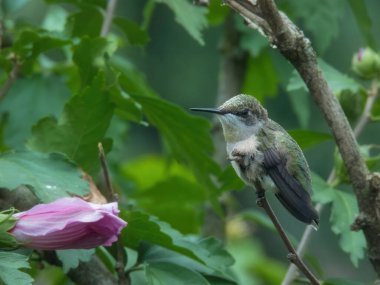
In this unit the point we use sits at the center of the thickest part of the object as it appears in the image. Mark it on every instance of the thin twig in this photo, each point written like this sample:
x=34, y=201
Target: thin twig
x=112, y=195
x=120, y=253
x=11, y=78
x=362, y=122
x=292, y=256
x=108, y=17
x=366, y=115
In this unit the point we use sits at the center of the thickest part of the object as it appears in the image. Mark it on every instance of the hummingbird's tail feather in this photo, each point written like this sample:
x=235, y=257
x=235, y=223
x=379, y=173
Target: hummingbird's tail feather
x=291, y=193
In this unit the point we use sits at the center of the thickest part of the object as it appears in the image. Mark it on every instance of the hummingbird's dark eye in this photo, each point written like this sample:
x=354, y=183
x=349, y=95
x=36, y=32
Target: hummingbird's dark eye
x=243, y=113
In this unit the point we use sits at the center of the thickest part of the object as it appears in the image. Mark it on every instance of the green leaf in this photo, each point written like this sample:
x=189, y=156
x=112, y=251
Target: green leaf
x=307, y=139
x=252, y=264
x=47, y=96
x=192, y=18
x=217, y=12
x=87, y=22
x=134, y=33
x=250, y=40
x=188, y=137
x=157, y=168
x=359, y=9
x=71, y=257
x=55, y=18
x=261, y=78
x=339, y=281
x=51, y=176
x=11, y=6
x=169, y=273
x=30, y=43
x=87, y=56
x=189, y=198
x=7, y=222
x=142, y=227
x=151, y=254
x=301, y=107
x=81, y=126
x=343, y=212
x=338, y=81
x=229, y=180
x=258, y=218
x=10, y=265
x=322, y=192
x=317, y=16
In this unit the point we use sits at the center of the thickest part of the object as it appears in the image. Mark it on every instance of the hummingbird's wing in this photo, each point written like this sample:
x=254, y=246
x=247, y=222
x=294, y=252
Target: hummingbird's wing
x=294, y=197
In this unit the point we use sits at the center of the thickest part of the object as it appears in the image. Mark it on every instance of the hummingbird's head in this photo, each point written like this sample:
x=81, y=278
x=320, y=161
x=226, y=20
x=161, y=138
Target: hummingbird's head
x=241, y=116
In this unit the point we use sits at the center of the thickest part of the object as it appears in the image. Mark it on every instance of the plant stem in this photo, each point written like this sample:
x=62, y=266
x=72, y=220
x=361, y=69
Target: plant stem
x=362, y=122
x=292, y=255
x=121, y=257
x=111, y=5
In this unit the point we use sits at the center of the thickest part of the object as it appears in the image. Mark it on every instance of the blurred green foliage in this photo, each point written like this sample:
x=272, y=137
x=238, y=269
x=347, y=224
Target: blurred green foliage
x=130, y=89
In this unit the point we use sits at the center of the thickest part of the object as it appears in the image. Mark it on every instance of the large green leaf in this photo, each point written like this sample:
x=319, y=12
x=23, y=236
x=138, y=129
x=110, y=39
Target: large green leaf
x=134, y=33
x=363, y=19
x=250, y=40
x=176, y=195
x=70, y=258
x=339, y=281
x=81, y=126
x=87, y=55
x=187, y=136
x=151, y=254
x=217, y=12
x=51, y=176
x=261, y=78
x=338, y=81
x=87, y=22
x=301, y=107
x=29, y=43
x=317, y=16
x=343, y=213
x=46, y=94
x=7, y=222
x=169, y=273
x=11, y=264
x=191, y=17
x=339, y=84
x=307, y=139
x=142, y=227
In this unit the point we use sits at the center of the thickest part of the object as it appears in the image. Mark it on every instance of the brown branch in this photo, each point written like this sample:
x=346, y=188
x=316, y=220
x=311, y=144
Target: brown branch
x=121, y=258
x=363, y=120
x=296, y=48
x=293, y=257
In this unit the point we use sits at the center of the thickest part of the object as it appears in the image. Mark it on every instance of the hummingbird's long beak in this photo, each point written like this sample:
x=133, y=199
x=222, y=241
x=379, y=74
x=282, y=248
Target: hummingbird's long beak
x=208, y=110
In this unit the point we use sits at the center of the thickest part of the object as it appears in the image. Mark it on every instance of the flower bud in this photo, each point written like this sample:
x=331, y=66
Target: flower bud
x=366, y=63
x=68, y=223
x=352, y=103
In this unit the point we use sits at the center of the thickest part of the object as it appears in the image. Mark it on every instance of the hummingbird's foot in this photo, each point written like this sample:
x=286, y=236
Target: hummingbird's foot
x=237, y=159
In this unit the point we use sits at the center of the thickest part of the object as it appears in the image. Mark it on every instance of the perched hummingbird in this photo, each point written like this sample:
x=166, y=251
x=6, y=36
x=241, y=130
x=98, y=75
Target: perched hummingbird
x=260, y=150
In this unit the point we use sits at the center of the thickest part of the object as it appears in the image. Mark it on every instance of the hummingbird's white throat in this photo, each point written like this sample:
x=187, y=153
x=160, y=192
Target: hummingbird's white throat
x=235, y=129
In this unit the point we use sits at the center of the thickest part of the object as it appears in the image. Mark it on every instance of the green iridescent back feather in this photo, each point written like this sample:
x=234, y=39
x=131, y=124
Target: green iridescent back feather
x=273, y=135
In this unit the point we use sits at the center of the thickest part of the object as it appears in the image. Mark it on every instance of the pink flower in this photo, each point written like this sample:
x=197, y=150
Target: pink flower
x=68, y=223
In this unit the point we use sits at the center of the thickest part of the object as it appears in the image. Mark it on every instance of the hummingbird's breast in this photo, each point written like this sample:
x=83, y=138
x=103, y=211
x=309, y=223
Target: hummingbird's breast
x=246, y=159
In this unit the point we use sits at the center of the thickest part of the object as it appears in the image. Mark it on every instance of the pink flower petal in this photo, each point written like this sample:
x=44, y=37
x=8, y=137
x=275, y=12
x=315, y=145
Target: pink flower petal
x=68, y=223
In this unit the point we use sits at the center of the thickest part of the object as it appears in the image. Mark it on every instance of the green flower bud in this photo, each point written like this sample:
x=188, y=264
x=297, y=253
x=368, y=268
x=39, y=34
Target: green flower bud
x=352, y=103
x=366, y=63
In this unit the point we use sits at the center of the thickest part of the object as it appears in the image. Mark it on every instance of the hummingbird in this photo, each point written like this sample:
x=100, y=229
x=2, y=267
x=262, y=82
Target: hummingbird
x=261, y=151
